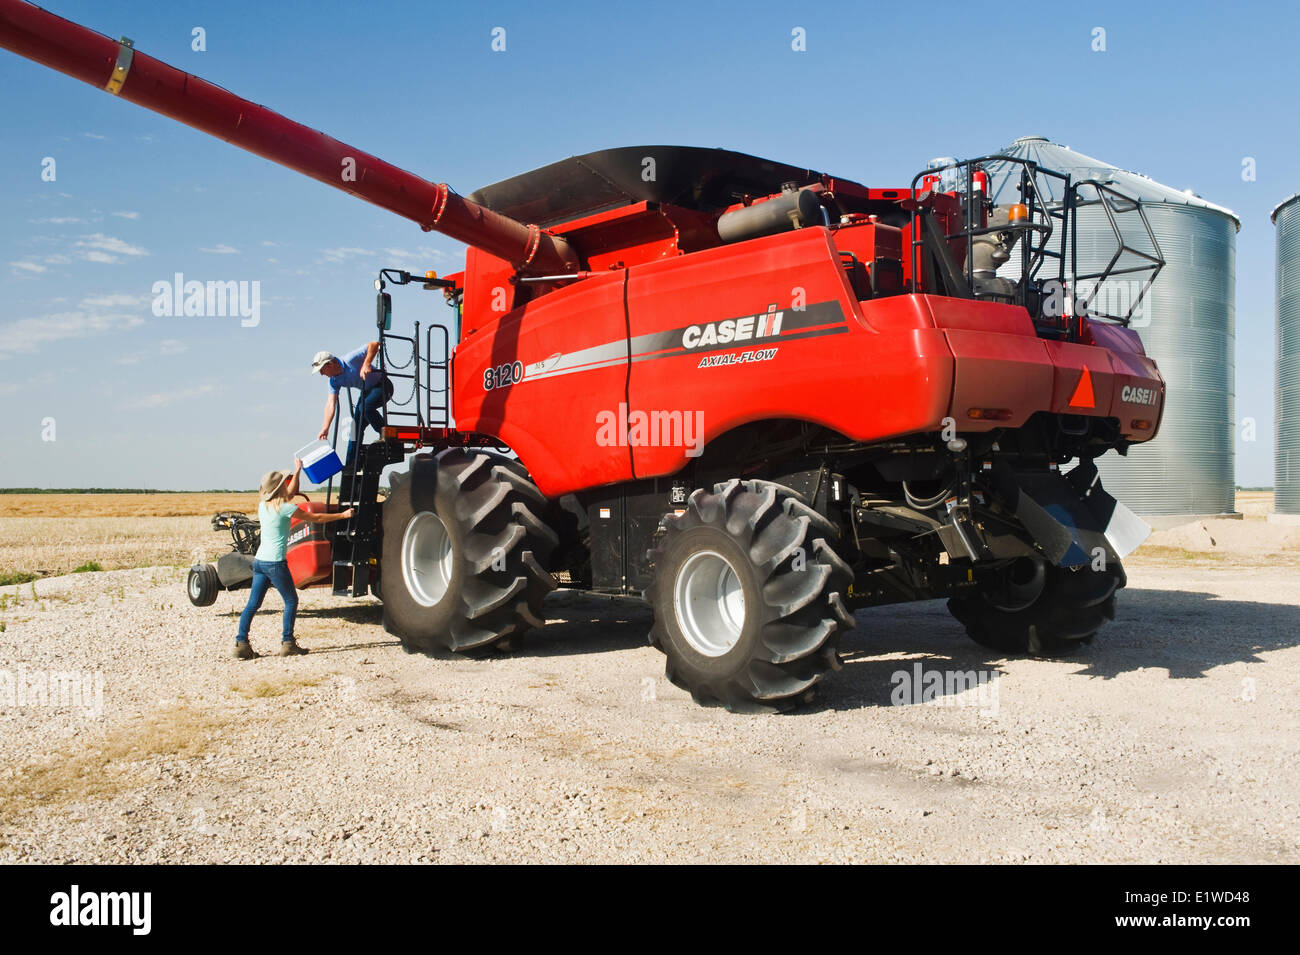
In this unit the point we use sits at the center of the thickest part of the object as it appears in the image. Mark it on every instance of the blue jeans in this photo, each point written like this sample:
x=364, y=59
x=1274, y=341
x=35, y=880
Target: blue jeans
x=266, y=574
x=369, y=410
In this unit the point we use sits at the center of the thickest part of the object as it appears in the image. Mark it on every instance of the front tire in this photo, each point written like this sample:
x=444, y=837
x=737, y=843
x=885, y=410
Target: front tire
x=464, y=554
x=1070, y=606
x=747, y=593
x=202, y=585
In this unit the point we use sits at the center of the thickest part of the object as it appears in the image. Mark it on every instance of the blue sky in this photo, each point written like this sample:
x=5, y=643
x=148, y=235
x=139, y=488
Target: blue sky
x=1182, y=93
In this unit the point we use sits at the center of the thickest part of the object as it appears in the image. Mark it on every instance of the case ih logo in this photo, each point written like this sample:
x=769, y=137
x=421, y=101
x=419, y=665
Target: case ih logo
x=305, y=532
x=734, y=330
x=1139, y=396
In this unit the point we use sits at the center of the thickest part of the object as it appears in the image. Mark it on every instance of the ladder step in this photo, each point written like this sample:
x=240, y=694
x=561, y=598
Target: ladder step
x=351, y=579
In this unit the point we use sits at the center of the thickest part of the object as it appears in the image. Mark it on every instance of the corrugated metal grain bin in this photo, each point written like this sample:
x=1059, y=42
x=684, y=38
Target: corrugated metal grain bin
x=1286, y=463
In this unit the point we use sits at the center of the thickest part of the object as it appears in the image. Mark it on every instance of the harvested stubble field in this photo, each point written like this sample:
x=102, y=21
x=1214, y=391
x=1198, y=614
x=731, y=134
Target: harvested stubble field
x=1171, y=739
x=52, y=534
x=170, y=504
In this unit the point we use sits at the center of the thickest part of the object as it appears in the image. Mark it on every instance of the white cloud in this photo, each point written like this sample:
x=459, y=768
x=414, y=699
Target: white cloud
x=171, y=346
x=20, y=267
x=43, y=380
x=162, y=399
x=25, y=335
x=268, y=242
x=56, y=220
x=422, y=253
x=222, y=249
x=108, y=249
x=91, y=316
x=108, y=243
x=94, y=136
x=343, y=253
x=115, y=300
x=127, y=215
x=57, y=260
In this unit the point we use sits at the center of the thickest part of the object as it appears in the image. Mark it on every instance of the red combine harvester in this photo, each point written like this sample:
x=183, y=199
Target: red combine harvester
x=758, y=396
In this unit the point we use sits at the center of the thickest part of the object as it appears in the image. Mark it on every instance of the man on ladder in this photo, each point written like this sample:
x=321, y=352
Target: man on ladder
x=354, y=370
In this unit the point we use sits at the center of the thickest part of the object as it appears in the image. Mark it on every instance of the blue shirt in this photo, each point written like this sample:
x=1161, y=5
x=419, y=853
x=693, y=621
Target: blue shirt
x=350, y=376
x=275, y=530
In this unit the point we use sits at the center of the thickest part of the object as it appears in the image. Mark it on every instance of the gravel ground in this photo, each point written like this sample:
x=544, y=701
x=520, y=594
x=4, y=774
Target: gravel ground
x=1173, y=739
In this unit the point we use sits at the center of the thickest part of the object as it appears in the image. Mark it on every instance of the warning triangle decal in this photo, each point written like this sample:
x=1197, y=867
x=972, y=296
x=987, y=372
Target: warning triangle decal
x=1083, y=392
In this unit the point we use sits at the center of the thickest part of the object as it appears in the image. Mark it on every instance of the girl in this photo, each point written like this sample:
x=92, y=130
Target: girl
x=269, y=566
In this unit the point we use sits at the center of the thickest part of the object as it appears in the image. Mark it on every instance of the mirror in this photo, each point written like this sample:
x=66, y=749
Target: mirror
x=384, y=311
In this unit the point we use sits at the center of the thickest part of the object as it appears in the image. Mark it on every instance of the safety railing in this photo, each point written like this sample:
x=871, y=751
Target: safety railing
x=437, y=377
x=1033, y=213
x=1041, y=223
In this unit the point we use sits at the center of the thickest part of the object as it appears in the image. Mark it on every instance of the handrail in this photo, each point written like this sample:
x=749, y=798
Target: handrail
x=1155, y=261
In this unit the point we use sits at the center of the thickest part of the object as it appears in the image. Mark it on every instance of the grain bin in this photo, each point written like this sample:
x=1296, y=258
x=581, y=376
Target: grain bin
x=1286, y=463
x=1186, y=323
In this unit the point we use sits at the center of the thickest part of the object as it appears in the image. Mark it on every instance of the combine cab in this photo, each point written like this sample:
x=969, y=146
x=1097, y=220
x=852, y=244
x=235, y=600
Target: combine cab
x=755, y=395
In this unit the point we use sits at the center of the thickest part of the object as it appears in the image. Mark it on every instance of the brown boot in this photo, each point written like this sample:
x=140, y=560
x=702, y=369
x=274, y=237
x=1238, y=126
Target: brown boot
x=290, y=648
x=244, y=650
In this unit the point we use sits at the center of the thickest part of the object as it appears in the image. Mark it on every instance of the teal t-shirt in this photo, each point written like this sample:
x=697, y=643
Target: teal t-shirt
x=275, y=529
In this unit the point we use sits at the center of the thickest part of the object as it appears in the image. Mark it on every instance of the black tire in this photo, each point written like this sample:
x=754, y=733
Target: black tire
x=573, y=556
x=1062, y=618
x=785, y=637
x=202, y=585
x=488, y=589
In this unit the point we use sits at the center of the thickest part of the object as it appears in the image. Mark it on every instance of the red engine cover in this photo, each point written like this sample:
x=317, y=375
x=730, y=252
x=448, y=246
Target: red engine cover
x=310, y=553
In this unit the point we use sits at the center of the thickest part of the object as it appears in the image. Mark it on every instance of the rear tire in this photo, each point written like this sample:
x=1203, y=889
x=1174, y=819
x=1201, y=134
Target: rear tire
x=747, y=594
x=464, y=554
x=1064, y=616
x=202, y=585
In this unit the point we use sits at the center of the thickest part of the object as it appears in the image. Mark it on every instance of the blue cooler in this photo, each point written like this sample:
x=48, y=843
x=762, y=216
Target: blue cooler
x=320, y=461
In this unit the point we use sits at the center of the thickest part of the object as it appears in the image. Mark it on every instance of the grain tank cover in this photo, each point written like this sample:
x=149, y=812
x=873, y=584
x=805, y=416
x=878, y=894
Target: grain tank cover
x=1052, y=155
x=691, y=176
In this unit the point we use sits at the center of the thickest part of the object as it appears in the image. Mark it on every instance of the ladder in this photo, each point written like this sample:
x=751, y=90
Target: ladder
x=355, y=544
x=425, y=407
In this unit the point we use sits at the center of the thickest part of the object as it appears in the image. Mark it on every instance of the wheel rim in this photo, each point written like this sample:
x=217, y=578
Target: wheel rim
x=1021, y=585
x=709, y=603
x=427, y=558
x=196, y=586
